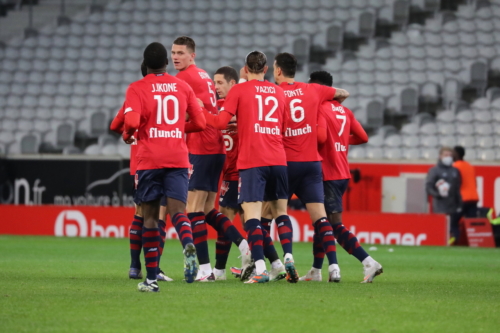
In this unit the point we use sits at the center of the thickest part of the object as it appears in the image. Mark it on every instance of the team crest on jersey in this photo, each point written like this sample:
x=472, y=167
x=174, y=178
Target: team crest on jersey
x=224, y=188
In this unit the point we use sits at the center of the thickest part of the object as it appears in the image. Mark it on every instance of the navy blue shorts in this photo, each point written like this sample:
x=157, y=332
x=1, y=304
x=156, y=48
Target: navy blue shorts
x=267, y=183
x=228, y=196
x=157, y=183
x=205, y=173
x=334, y=190
x=305, y=179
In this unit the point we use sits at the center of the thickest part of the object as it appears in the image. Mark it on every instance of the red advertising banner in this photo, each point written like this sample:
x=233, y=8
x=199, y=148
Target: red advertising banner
x=477, y=232
x=83, y=221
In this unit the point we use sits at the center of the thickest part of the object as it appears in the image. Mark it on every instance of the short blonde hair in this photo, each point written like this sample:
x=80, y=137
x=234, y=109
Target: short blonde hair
x=445, y=148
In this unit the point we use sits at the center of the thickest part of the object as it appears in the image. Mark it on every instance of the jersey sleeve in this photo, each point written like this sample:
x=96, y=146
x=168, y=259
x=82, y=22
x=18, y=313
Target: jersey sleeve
x=193, y=108
x=118, y=121
x=231, y=102
x=321, y=118
x=358, y=134
x=325, y=93
x=132, y=101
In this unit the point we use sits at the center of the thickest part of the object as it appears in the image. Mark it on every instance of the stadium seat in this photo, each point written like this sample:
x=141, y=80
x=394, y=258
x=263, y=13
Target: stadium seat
x=374, y=153
x=92, y=150
x=428, y=129
x=429, y=154
x=465, y=116
x=446, y=128
x=393, y=141
x=483, y=129
x=447, y=140
x=468, y=142
x=485, y=141
x=429, y=141
x=410, y=141
x=393, y=153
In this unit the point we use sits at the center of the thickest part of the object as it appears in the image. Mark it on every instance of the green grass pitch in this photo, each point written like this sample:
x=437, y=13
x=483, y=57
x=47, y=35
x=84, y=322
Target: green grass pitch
x=80, y=285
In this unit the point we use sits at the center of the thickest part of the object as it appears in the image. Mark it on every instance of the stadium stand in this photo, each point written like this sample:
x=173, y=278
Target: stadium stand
x=428, y=68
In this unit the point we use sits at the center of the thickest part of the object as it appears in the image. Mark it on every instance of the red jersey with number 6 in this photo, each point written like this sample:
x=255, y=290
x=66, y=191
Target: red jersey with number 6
x=338, y=120
x=262, y=114
x=301, y=135
x=208, y=141
x=230, y=171
x=162, y=101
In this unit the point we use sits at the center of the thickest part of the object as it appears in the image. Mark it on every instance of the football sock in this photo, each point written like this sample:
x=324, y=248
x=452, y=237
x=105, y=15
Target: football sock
x=285, y=231
x=255, y=238
x=200, y=236
x=183, y=227
x=277, y=263
x=269, y=249
x=135, y=238
x=221, y=223
x=260, y=266
x=266, y=224
x=318, y=251
x=151, y=244
x=327, y=240
x=222, y=248
x=162, y=226
x=348, y=241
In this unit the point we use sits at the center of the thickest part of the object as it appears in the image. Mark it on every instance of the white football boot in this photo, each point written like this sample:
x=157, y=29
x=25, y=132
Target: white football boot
x=334, y=273
x=371, y=270
x=312, y=275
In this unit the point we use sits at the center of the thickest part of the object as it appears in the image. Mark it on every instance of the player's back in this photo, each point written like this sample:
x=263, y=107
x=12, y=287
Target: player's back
x=208, y=141
x=163, y=101
x=261, y=111
x=338, y=120
x=300, y=137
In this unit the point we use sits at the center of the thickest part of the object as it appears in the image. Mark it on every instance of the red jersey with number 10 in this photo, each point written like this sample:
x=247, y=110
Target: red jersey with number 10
x=337, y=119
x=301, y=135
x=262, y=114
x=162, y=101
x=208, y=141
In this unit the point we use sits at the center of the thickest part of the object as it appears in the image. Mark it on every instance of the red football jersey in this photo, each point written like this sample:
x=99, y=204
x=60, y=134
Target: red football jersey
x=162, y=101
x=208, y=141
x=301, y=135
x=230, y=171
x=338, y=120
x=118, y=123
x=262, y=114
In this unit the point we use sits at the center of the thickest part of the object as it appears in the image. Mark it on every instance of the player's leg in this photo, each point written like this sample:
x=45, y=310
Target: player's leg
x=135, y=241
x=176, y=184
x=267, y=217
x=309, y=189
x=148, y=194
x=253, y=183
x=314, y=274
x=276, y=193
x=278, y=271
x=226, y=230
x=334, y=190
x=162, y=226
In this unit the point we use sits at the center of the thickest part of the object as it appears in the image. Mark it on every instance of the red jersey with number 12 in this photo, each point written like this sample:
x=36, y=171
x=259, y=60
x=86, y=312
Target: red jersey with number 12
x=301, y=135
x=208, y=141
x=230, y=170
x=337, y=119
x=162, y=101
x=262, y=114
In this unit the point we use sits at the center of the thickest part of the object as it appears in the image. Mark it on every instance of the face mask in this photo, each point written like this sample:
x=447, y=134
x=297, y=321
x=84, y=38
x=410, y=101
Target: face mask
x=447, y=160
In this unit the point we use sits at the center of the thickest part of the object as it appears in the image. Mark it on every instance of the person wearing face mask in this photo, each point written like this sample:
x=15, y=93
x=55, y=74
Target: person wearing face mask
x=443, y=184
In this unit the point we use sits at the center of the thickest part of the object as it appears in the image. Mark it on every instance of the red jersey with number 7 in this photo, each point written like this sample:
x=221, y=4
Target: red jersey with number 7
x=162, y=101
x=301, y=135
x=262, y=114
x=338, y=120
x=208, y=141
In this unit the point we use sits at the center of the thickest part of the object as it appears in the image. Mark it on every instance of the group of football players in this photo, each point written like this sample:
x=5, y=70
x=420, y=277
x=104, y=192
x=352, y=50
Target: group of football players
x=267, y=141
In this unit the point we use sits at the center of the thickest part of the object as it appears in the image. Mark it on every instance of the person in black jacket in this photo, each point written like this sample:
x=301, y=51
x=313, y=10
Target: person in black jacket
x=443, y=184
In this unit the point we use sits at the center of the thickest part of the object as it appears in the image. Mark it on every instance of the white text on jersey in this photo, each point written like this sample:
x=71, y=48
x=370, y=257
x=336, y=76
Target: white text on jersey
x=204, y=75
x=339, y=108
x=299, y=131
x=294, y=93
x=265, y=89
x=164, y=87
x=156, y=133
x=267, y=130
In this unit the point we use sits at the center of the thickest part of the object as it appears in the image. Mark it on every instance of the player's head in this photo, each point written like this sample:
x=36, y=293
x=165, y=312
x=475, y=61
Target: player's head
x=446, y=155
x=225, y=78
x=459, y=153
x=155, y=57
x=183, y=52
x=256, y=63
x=144, y=69
x=285, y=65
x=321, y=77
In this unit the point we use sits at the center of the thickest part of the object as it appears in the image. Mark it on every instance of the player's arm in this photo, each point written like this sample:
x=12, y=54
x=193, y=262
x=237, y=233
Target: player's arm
x=226, y=113
x=322, y=128
x=430, y=183
x=132, y=114
x=340, y=95
x=197, y=121
x=118, y=121
x=358, y=135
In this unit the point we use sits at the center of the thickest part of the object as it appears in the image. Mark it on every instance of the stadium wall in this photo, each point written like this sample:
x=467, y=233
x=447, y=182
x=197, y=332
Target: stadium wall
x=81, y=221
